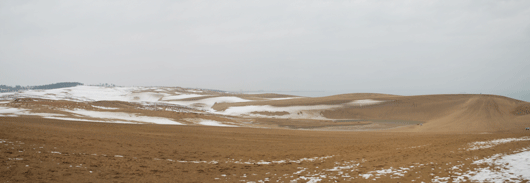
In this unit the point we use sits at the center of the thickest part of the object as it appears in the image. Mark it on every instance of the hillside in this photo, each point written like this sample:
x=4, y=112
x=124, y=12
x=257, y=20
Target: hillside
x=163, y=134
x=439, y=113
x=459, y=113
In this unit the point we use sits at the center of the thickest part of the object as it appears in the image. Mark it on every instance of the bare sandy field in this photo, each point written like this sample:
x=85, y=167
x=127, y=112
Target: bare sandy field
x=98, y=134
x=43, y=150
x=439, y=113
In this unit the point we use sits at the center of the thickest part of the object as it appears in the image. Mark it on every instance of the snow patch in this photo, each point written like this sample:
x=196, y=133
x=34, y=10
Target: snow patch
x=87, y=120
x=6, y=110
x=365, y=102
x=93, y=93
x=207, y=103
x=507, y=168
x=295, y=112
x=214, y=123
x=493, y=143
x=124, y=116
x=182, y=96
x=106, y=108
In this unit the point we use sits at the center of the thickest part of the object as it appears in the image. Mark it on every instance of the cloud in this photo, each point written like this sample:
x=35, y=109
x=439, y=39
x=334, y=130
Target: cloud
x=406, y=47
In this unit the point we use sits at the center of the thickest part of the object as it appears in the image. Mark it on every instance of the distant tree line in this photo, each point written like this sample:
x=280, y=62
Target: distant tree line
x=220, y=91
x=105, y=85
x=5, y=88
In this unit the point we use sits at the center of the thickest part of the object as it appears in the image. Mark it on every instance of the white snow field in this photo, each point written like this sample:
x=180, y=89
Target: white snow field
x=365, y=102
x=106, y=108
x=295, y=112
x=9, y=111
x=125, y=116
x=207, y=103
x=126, y=94
x=145, y=95
x=493, y=143
x=15, y=112
x=518, y=165
x=92, y=93
x=214, y=123
x=506, y=168
x=109, y=117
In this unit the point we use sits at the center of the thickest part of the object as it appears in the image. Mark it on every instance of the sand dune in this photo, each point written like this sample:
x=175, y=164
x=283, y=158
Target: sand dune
x=46, y=150
x=459, y=113
x=184, y=135
x=440, y=113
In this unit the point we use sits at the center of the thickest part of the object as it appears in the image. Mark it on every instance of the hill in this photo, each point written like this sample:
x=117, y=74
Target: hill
x=5, y=88
x=459, y=113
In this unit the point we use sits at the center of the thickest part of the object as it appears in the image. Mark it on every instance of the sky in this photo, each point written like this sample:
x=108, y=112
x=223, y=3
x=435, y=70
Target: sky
x=398, y=47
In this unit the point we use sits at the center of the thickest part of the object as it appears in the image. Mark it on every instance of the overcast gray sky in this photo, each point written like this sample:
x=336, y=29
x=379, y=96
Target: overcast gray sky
x=398, y=47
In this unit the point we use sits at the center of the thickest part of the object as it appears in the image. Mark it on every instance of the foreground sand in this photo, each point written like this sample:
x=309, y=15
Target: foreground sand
x=121, y=134
x=45, y=150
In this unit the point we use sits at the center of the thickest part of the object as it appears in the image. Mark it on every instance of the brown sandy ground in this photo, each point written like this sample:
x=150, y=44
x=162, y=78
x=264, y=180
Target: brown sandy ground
x=304, y=101
x=440, y=113
x=256, y=97
x=305, y=123
x=43, y=150
x=57, y=107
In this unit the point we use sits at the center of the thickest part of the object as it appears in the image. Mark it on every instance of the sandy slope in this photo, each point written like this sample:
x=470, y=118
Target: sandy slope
x=351, y=137
x=478, y=113
x=44, y=150
x=307, y=101
x=440, y=113
x=370, y=111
